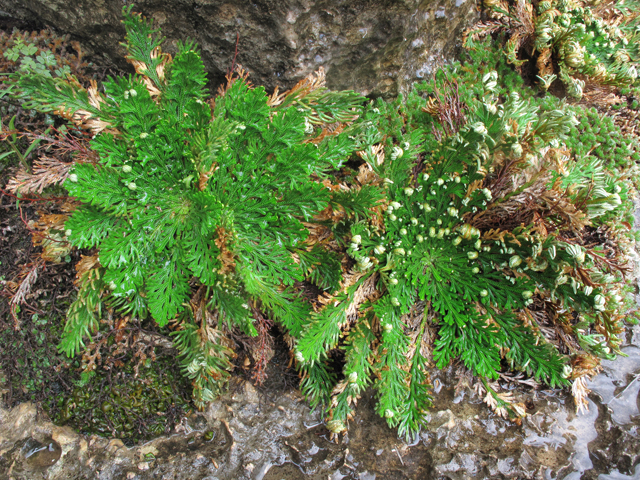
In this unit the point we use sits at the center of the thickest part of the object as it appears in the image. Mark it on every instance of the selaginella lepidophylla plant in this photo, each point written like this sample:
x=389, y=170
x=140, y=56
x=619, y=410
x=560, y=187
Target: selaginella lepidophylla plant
x=480, y=252
x=465, y=230
x=198, y=209
x=579, y=42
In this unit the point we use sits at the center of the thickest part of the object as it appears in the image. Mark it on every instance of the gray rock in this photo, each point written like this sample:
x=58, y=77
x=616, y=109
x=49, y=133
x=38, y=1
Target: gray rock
x=376, y=48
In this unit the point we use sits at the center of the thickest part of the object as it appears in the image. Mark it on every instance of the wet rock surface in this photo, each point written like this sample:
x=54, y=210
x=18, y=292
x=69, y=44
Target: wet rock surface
x=272, y=435
x=376, y=48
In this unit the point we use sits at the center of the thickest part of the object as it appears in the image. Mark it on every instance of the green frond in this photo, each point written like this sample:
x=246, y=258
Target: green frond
x=83, y=314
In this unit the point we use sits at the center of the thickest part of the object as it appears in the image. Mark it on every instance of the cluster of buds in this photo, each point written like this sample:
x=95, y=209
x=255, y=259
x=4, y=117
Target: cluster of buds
x=130, y=93
x=467, y=231
x=577, y=253
x=599, y=302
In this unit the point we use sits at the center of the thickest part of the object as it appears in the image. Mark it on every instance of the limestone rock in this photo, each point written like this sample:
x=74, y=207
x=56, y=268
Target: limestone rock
x=376, y=48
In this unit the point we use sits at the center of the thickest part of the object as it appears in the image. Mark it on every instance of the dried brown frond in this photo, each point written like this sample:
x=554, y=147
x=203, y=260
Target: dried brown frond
x=166, y=58
x=317, y=233
x=522, y=196
x=86, y=264
x=204, y=177
x=151, y=88
x=580, y=394
x=524, y=13
x=366, y=175
x=261, y=346
x=473, y=186
x=304, y=87
x=48, y=232
x=47, y=171
x=95, y=99
x=375, y=152
x=544, y=64
x=238, y=73
x=502, y=403
x=143, y=69
x=349, y=279
x=558, y=204
x=327, y=131
x=30, y=273
x=500, y=235
x=227, y=258
x=365, y=292
x=447, y=107
x=86, y=120
x=482, y=29
x=276, y=98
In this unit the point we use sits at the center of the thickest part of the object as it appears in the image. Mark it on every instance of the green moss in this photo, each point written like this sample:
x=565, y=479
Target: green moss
x=124, y=404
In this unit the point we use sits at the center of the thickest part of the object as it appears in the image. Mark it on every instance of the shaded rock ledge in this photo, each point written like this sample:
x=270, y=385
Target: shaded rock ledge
x=377, y=48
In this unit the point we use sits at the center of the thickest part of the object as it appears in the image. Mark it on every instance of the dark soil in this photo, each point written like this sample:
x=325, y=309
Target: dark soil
x=33, y=370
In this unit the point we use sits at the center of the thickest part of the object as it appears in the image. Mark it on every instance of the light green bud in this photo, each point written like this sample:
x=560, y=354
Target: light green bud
x=514, y=261
x=517, y=150
x=126, y=168
x=480, y=128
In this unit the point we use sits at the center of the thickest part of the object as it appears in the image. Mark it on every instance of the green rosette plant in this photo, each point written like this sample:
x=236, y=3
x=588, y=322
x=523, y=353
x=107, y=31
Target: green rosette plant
x=198, y=209
x=476, y=252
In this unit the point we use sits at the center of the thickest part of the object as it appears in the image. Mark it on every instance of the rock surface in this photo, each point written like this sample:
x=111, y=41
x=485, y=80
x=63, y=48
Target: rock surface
x=377, y=48
x=271, y=435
